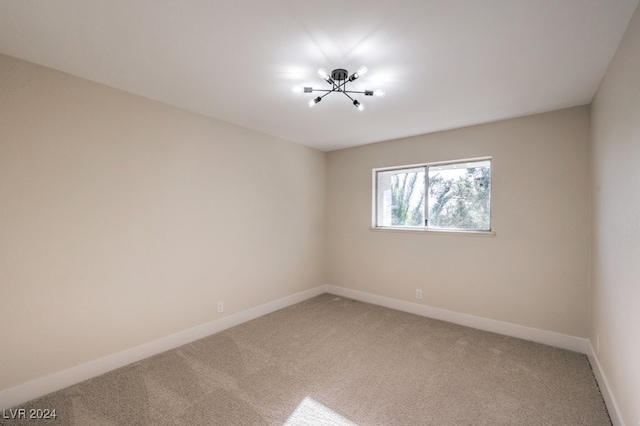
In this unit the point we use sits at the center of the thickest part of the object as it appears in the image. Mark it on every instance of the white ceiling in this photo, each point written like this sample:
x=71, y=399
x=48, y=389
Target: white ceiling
x=443, y=63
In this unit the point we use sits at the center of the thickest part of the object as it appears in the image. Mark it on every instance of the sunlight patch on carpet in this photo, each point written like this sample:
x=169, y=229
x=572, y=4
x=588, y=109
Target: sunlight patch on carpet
x=311, y=412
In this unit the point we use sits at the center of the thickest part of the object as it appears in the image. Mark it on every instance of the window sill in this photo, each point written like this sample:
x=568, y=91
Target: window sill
x=435, y=231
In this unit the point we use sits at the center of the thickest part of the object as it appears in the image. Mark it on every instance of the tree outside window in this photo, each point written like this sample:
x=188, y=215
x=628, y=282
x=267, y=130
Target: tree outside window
x=458, y=196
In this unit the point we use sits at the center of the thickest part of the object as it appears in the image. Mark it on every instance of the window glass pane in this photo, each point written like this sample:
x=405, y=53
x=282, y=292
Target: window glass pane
x=400, y=197
x=460, y=196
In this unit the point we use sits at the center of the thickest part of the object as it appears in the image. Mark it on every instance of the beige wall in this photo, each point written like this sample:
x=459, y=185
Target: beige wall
x=615, y=300
x=123, y=220
x=534, y=272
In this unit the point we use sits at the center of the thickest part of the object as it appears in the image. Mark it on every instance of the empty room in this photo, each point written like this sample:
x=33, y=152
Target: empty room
x=320, y=213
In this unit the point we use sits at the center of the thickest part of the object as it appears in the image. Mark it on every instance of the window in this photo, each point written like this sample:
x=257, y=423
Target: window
x=453, y=196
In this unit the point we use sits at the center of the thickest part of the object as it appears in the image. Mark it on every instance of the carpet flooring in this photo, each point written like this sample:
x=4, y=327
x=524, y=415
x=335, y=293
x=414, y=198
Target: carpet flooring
x=336, y=361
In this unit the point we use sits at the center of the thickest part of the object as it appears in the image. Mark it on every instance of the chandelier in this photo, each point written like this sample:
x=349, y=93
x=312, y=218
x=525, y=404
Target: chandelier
x=338, y=81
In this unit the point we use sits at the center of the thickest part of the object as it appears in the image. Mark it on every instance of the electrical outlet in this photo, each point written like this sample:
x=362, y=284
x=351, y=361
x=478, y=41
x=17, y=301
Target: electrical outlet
x=418, y=293
x=220, y=307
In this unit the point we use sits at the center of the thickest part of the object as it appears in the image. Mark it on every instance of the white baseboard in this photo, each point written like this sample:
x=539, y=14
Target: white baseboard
x=39, y=387
x=576, y=344
x=60, y=380
x=572, y=343
x=609, y=400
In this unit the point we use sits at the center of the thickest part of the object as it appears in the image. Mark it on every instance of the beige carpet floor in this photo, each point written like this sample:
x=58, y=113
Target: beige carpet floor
x=335, y=361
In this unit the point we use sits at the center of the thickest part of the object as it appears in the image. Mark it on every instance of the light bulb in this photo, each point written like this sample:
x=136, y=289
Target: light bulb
x=379, y=93
x=297, y=90
x=358, y=105
x=312, y=102
x=362, y=71
x=323, y=73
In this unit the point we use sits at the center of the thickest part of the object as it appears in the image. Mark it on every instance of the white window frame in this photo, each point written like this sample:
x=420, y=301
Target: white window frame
x=425, y=228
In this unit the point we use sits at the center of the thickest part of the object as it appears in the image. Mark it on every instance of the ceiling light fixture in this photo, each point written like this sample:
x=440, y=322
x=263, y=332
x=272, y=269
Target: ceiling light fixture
x=338, y=81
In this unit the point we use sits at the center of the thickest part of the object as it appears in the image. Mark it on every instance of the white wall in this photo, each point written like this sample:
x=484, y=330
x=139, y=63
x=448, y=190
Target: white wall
x=615, y=293
x=534, y=272
x=124, y=220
